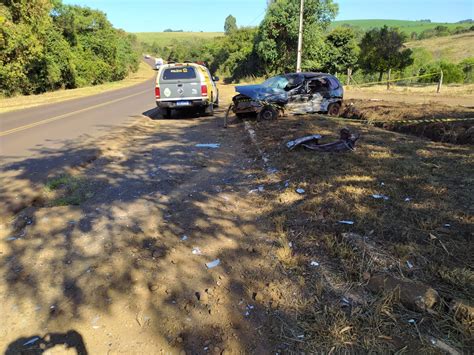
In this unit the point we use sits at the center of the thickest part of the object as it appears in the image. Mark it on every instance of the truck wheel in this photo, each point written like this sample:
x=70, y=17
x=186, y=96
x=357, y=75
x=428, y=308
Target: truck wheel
x=210, y=110
x=268, y=113
x=166, y=113
x=334, y=108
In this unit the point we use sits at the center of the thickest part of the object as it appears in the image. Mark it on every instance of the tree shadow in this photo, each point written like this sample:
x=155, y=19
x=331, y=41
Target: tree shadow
x=124, y=244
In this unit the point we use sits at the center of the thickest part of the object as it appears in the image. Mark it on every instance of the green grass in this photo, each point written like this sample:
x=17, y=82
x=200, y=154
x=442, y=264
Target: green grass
x=450, y=48
x=65, y=190
x=406, y=26
x=168, y=38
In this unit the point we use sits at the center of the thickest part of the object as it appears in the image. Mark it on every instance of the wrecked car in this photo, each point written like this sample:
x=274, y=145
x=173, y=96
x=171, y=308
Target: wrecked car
x=297, y=93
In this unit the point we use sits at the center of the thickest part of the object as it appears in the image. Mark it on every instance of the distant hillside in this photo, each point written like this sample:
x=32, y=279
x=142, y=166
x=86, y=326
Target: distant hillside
x=452, y=48
x=406, y=26
x=168, y=38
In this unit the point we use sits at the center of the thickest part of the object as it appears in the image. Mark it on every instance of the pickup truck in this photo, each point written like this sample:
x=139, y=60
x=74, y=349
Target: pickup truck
x=185, y=85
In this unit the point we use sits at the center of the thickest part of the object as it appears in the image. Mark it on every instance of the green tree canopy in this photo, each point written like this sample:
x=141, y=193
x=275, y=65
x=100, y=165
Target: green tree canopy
x=230, y=24
x=343, y=50
x=45, y=45
x=382, y=49
x=278, y=34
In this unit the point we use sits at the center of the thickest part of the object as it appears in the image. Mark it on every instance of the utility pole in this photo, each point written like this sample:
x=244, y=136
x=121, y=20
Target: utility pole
x=300, y=39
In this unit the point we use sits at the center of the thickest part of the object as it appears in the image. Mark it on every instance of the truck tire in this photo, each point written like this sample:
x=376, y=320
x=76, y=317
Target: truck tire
x=209, y=110
x=166, y=112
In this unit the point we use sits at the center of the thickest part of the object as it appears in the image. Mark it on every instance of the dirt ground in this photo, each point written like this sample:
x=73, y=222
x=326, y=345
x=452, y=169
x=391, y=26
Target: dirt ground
x=110, y=256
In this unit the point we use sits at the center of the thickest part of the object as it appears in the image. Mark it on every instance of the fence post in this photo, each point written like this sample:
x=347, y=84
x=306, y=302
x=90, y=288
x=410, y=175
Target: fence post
x=349, y=75
x=388, y=78
x=440, y=82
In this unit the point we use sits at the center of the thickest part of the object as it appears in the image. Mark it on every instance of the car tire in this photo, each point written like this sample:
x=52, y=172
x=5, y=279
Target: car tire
x=334, y=109
x=166, y=113
x=268, y=113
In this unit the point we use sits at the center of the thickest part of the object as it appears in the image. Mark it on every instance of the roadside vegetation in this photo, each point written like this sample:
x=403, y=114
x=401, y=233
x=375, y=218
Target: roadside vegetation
x=370, y=52
x=47, y=45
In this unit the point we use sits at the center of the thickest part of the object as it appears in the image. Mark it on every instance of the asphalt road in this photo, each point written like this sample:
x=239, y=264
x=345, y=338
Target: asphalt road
x=25, y=133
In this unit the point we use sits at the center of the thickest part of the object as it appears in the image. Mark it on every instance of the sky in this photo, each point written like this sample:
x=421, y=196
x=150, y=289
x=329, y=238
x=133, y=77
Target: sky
x=209, y=15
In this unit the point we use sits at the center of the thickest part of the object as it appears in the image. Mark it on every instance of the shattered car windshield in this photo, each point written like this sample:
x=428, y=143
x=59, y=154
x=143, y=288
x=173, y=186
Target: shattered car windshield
x=277, y=82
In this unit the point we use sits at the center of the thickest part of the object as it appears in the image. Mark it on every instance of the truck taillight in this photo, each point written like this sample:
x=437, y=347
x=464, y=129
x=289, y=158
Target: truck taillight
x=203, y=90
x=157, y=92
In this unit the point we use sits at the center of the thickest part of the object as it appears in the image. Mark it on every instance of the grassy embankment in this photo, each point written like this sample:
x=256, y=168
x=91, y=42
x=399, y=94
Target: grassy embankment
x=144, y=72
x=406, y=26
x=451, y=48
x=168, y=38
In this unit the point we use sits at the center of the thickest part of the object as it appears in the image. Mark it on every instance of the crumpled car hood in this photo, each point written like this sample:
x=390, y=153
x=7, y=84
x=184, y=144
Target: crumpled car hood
x=262, y=93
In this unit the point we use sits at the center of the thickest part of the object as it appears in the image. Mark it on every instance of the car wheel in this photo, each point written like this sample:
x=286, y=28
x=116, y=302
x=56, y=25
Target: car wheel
x=166, y=113
x=334, y=109
x=268, y=113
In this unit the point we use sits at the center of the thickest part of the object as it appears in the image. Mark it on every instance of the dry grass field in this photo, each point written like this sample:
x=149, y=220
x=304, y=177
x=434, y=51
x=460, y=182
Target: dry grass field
x=451, y=48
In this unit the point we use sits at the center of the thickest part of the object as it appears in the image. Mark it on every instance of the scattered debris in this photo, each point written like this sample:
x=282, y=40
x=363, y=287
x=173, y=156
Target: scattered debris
x=447, y=225
x=413, y=295
x=272, y=170
x=407, y=199
x=409, y=264
x=261, y=188
x=184, y=237
x=248, y=309
x=197, y=251
x=346, y=222
x=433, y=237
x=300, y=191
x=314, y=263
x=378, y=197
x=12, y=239
x=345, y=143
x=31, y=341
x=293, y=144
x=442, y=346
x=213, y=264
x=412, y=321
x=208, y=145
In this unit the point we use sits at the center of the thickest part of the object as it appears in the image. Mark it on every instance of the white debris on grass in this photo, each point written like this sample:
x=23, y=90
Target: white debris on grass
x=447, y=225
x=346, y=222
x=261, y=188
x=300, y=191
x=208, y=145
x=407, y=199
x=184, y=237
x=213, y=264
x=197, y=251
x=409, y=264
x=378, y=197
x=314, y=263
x=290, y=244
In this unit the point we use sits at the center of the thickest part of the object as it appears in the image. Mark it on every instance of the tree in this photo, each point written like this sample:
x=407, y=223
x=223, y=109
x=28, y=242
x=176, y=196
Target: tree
x=278, y=34
x=382, y=50
x=230, y=24
x=342, y=49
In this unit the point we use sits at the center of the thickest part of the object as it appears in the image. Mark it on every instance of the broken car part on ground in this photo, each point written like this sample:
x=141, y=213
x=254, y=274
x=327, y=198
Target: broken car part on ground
x=297, y=93
x=346, y=142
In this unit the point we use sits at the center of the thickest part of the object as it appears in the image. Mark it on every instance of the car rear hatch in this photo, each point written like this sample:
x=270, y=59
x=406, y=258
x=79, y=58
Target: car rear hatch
x=181, y=84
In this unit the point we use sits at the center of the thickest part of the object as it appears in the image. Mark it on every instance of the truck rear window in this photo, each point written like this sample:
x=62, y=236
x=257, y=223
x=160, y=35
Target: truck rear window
x=179, y=73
